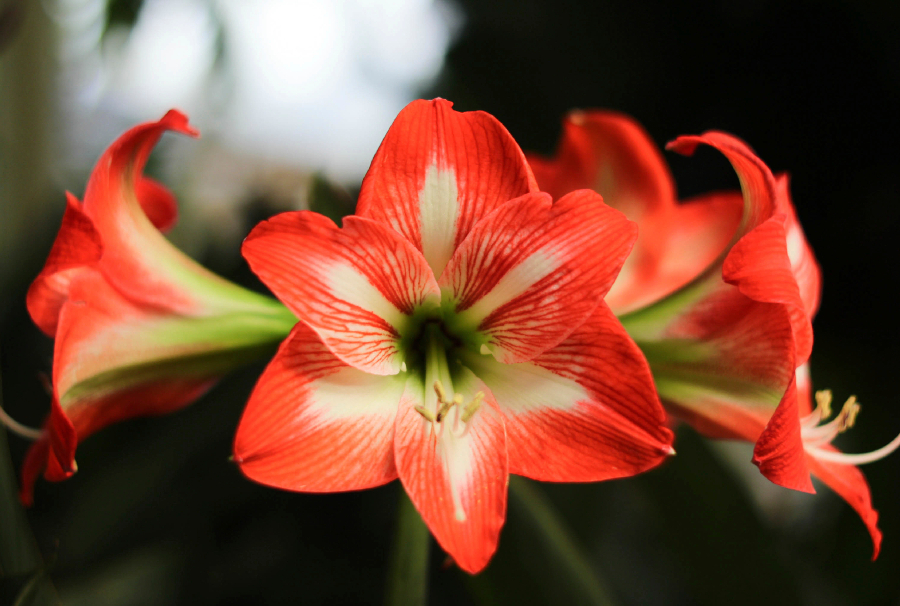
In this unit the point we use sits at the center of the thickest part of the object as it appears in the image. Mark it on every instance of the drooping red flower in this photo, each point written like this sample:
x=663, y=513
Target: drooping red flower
x=719, y=294
x=452, y=332
x=139, y=328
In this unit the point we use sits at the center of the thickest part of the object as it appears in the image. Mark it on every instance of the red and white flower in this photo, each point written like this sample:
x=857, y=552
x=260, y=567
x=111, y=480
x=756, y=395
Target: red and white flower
x=452, y=332
x=139, y=327
x=719, y=294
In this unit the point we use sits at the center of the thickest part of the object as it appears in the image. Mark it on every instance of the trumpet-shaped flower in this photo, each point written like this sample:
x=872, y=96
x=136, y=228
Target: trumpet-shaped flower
x=452, y=332
x=139, y=328
x=719, y=293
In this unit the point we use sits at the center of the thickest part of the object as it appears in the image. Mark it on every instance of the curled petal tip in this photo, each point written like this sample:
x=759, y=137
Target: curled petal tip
x=684, y=145
x=178, y=121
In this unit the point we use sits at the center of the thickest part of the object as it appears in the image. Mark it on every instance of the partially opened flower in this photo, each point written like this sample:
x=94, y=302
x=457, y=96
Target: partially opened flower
x=452, y=332
x=719, y=294
x=139, y=327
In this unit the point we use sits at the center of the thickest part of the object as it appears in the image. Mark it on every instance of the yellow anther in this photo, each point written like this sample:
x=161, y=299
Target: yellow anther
x=472, y=407
x=823, y=401
x=439, y=390
x=848, y=414
x=425, y=413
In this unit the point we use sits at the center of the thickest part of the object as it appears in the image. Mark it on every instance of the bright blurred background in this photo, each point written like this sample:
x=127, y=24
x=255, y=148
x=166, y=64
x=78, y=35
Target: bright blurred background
x=288, y=94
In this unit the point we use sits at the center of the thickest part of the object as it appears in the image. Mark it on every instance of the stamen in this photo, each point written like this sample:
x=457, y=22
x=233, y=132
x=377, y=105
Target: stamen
x=855, y=459
x=424, y=412
x=439, y=390
x=816, y=437
x=472, y=407
x=29, y=433
x=823, y=402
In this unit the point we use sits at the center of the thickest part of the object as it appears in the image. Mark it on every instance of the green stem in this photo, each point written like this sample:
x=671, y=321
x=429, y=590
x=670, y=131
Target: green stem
x=561, y=545
x=407, y=583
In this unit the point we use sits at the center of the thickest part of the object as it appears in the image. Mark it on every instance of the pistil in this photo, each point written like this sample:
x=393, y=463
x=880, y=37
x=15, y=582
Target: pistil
x=438, y=405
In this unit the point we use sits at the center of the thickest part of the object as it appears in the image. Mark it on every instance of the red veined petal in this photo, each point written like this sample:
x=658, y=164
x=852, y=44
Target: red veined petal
x=613, y=155
x=137, y=259
x=315, y=424
x=83, y=416
x=35, y=462
x=850, y=483
x=158, y=203
x=688, y=241
x=583, y=411
x=456, y=478
x=356, y=286
x=758, y=263
x=77, y=244
x=803, y=261
x=531, y=272
x=756, y=179
x=779, y=451
x=725, y=365
x=437, y=172
x=63, y=439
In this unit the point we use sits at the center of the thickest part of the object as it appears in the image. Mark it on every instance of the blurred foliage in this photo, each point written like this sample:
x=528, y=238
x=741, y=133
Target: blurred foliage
x=122, y=13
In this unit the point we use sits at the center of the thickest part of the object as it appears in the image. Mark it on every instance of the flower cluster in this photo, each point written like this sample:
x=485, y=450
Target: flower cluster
x=719, y=293
x=483, y=313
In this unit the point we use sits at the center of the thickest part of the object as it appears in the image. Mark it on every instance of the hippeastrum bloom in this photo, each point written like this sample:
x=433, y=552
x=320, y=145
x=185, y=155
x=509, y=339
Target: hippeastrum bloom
x=139, y=327
x=452, y=332
x=719, y=293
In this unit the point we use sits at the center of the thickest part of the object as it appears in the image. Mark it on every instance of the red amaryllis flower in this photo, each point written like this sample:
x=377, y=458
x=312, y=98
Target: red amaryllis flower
x=452, y=332
x=139, y=327
x=719, y=294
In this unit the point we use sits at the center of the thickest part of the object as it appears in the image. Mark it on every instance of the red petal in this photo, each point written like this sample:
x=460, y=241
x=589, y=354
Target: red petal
x=850, y=483
x=356, y=286
x=35, y=462
x=77, y=244
x=724, y=366
x=315, y=424
x=613, y=155
x=583, y=411
x=456, y=479
x=437, y=172
x=803, y=261
x=685, y=243
x=531, y=272
x=758, y=264
x=158, y=204
x=82, y=417
x=779, y=451
x=137, y=259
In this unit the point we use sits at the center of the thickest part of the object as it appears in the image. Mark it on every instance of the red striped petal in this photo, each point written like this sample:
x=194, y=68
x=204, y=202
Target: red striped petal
x=456, y=478
x=137, y=259
x=583, y=411
x=759, y=263
x=803, y=261
x=77, y=244
x=779, y=451
x=686, y=243
x=531, y=272
x=725, y=365
x=356, y=286
x=613, y=155
x=850, y=483
x=315, y=424
x=158, y=204
x=437, y=172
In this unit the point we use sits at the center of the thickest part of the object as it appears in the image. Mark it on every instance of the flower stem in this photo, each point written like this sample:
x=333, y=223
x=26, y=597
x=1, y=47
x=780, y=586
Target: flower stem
x=407, y=582
x=562, y=547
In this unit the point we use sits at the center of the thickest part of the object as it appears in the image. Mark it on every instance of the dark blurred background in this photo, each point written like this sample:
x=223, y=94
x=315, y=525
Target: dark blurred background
x=157, y=515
